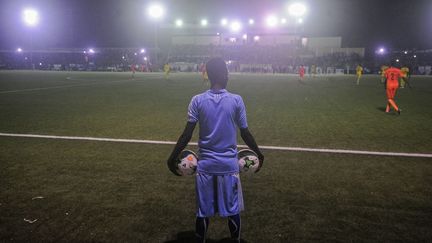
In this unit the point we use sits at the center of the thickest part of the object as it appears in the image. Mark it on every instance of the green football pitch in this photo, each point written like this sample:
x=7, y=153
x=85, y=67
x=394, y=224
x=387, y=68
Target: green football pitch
x=76, y=190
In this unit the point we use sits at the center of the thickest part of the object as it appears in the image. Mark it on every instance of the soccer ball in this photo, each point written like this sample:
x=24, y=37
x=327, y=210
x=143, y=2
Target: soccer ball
x=187, y=163
x=248, y=161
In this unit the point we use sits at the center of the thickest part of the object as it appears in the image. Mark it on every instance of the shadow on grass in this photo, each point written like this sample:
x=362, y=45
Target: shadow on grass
x=189, y=237
x=381, y=109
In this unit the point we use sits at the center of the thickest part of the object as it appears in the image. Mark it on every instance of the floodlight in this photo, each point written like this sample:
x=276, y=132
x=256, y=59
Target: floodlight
x=251, y=21
x=224, y=22
x=233, y=39
x=271, y=21
x=145, y=58
x=405, y=52
x=156, y=11
x=40, y=64
x=135, y=53
x=245, y=37
x=19, y=50
x=235, y=26
x=256, y=38
x=381, y=51
x=179, y=23
x=123, y=57
x=91, y=51
x=415, y=56
x=283, y=20
x=142, y=50
x=297, y=9
x=204, y=22
x=30, y=17
x=397, y=60
x=300, y=21
x=217, y=33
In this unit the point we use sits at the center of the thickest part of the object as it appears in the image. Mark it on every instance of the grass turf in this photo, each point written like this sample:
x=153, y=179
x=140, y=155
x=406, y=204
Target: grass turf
x=95, y=191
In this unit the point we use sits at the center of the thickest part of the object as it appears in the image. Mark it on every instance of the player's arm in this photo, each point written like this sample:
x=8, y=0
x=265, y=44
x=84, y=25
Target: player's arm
x=182, y=142
x=250, y=142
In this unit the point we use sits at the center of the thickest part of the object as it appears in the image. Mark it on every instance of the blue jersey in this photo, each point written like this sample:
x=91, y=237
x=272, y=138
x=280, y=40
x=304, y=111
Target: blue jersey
x=218, y=113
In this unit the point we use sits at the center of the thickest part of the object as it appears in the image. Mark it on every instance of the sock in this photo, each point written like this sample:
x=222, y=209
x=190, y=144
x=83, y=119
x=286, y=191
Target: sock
x=234, y=224
x=393, y=104
x=201, y=226
x=388, y=108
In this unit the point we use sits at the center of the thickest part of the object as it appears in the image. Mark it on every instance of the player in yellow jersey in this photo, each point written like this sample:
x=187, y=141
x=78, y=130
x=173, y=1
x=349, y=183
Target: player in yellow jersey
x=404, y=77
x=167, y=70
x=383, y=69
x=359, y=72
x=313, y=70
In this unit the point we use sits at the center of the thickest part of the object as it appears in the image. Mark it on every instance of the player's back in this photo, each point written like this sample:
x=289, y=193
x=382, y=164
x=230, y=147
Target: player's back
x=393, y=74
x=219, y=113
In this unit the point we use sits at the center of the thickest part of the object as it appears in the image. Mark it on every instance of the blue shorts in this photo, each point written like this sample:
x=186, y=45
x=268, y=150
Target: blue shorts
x=218, y=194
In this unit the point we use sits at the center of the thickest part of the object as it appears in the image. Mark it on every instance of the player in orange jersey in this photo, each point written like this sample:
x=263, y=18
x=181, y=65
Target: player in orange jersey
x=392, y=75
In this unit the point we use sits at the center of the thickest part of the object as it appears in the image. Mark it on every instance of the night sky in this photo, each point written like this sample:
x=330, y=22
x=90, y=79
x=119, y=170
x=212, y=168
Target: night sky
x=115, y=23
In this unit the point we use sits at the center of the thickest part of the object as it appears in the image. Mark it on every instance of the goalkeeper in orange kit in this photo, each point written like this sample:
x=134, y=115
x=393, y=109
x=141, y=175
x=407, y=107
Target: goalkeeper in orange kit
x=392, y=75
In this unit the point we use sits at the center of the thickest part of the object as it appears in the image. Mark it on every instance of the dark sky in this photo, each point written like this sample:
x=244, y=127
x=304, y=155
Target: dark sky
x=116, y=23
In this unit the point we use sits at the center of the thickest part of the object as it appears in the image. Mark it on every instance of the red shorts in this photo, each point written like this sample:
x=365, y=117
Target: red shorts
x=391, y=90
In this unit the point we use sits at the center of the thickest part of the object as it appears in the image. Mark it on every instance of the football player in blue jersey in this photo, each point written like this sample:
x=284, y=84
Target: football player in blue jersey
x=219, y=114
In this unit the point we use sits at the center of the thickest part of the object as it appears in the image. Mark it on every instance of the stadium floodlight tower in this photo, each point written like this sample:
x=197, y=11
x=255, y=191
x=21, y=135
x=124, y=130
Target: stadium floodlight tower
x=235, y=26
x=204, y=22
x=297, y=10
x=156, y=12
x=271, y=21
x=179, y=23
x=224, y=22
x=31, y=18
x=381, y=51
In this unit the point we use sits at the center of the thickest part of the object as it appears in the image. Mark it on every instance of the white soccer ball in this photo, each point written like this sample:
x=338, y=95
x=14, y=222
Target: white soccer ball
x=187, y=164
x=248, y=161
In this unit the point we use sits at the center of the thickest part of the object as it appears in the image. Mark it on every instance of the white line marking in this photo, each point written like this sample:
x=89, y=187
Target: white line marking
x=297, y=149
x=64, y=86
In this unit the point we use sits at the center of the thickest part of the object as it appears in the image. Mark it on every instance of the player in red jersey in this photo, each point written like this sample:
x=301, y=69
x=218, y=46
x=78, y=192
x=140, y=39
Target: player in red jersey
x=392, y=75
x=301, y=72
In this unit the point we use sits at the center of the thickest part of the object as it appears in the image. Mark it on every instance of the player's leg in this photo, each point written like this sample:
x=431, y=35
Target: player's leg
x=205, y=194
x=230, y=202
x=389, y=95
x=358, y=78
x=201, y=226
x=391, y=99
x=402, y=83
x=234, y=225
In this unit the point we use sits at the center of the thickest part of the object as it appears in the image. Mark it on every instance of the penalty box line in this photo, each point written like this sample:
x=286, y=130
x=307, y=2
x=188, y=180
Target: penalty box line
x=295, y=149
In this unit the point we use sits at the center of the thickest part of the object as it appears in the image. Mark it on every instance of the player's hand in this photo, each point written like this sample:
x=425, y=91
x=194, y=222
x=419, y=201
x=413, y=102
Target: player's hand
x=172, y=166
x=261, y=159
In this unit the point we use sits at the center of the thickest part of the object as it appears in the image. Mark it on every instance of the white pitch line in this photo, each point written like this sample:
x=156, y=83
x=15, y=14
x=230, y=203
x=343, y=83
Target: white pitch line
x=63, y=86
x=296, y=149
